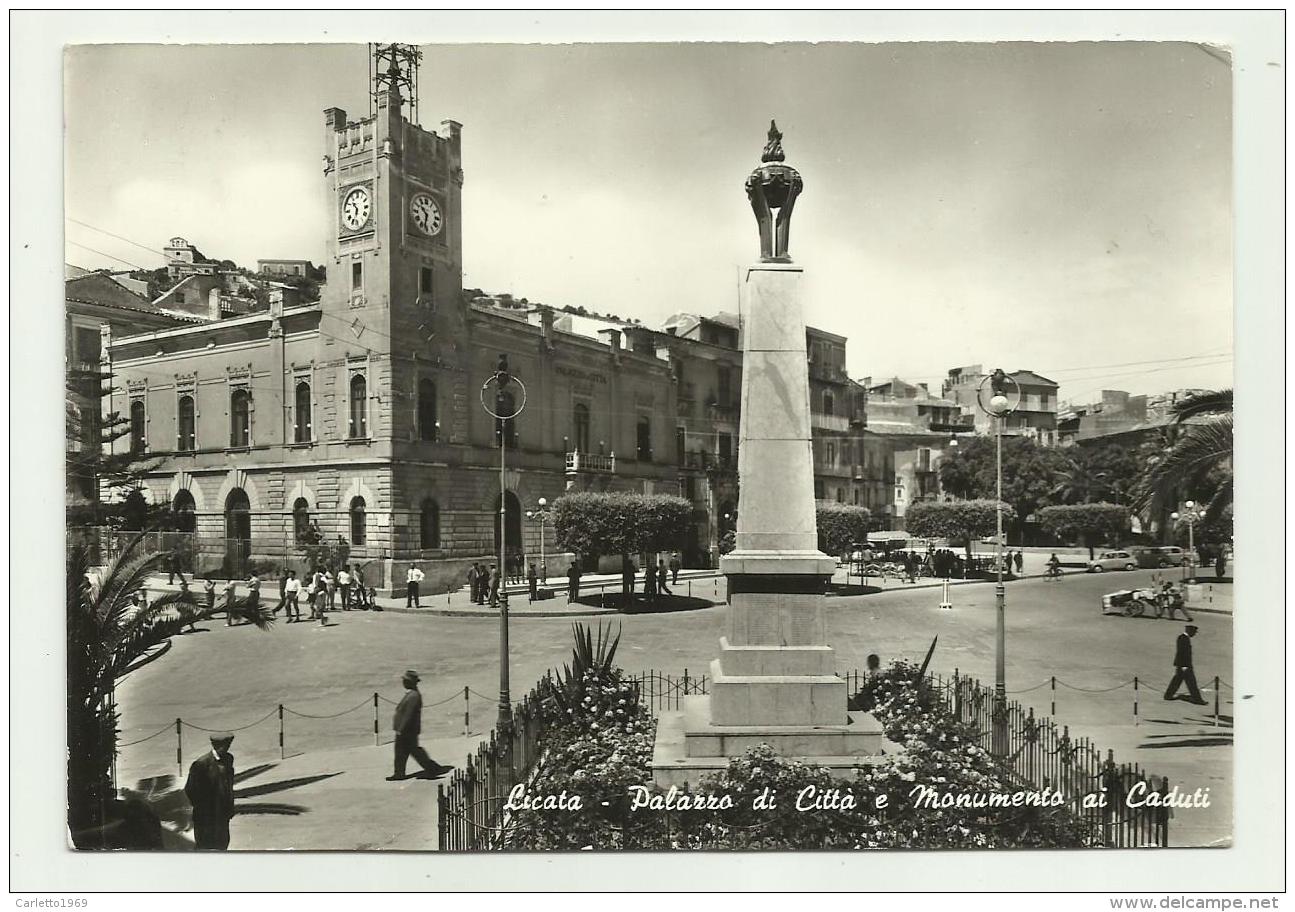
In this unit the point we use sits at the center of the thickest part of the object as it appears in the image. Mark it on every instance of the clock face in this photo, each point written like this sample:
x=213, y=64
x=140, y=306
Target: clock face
x=426, y=214
x=356, y=209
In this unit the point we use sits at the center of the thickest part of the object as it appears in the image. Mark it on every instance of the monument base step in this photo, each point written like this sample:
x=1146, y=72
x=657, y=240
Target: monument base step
x=680, y=733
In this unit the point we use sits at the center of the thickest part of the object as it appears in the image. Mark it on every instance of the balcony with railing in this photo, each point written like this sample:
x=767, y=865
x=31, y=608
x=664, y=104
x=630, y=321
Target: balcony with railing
x=829, y=422
x=594, y=463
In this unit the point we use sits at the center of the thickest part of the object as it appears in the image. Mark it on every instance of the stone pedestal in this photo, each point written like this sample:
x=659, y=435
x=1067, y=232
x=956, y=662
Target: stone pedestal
x=774, y=681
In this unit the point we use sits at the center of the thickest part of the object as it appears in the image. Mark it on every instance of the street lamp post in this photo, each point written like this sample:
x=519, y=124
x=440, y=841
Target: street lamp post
x=1191, y=516
x=998, y=408
x=503, y=412
x=541, y=516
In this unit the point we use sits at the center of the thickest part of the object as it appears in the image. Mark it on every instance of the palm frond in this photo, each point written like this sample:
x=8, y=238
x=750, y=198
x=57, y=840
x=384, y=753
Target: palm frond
x=1201, y=449
x=1212, y=403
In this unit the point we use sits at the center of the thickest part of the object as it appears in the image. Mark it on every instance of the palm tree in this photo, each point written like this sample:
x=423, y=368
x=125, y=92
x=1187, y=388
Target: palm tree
x=1196, y=459
x=109, y=636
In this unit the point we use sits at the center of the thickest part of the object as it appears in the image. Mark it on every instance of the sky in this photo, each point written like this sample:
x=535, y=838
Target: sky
x=1060, y=207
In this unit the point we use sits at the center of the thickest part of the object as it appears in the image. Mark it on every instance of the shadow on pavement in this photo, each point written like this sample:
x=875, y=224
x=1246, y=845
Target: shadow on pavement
x=637, y=604
x=282, y=785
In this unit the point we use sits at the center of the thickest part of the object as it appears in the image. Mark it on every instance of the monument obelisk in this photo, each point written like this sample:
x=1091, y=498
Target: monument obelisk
x=774, y=681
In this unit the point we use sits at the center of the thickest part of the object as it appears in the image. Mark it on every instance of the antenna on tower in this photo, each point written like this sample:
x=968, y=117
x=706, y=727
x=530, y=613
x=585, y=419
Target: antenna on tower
x=395, y=66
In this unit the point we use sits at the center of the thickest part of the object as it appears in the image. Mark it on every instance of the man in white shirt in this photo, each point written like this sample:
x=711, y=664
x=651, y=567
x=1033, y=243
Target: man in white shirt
x=344, y=586
x=412, y=580
x=291, y=591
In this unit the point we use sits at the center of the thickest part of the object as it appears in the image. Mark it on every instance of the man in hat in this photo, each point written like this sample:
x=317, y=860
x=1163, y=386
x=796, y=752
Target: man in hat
x=210, y=789
x=408, y=722
x=1183, y=670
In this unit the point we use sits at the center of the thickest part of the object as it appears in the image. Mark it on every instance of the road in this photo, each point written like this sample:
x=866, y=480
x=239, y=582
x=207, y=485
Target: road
x=229, y=677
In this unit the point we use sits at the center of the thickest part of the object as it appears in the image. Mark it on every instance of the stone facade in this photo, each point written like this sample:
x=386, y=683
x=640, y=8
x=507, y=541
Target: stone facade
x=363, y=409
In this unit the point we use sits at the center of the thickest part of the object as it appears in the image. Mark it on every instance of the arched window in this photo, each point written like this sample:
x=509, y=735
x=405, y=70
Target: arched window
x=428, y=426
x=429, y=524
x=137, y=432
x=505, y=404
x=300, y=519
x=185, y=438
x=240, y=418
x=357, y=521
x=186, y=517
x=829, y=403
x=359, y=407
x=581, y=422
x=303, y=432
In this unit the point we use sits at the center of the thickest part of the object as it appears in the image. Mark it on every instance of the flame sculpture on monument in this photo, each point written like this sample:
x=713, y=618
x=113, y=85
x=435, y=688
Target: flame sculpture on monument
x=775, y=680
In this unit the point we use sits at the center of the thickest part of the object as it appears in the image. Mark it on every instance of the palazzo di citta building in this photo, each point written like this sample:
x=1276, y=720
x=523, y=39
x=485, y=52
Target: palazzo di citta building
x=361, y=411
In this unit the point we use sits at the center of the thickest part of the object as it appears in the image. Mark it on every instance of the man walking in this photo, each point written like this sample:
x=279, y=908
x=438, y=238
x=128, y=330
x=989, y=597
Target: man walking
x=675, y=566
x=1019, y=560
x=174, y=569
x=1183, y=670
x=210, y=789
x=412, y=579
x=573, y=582
x=660, y=577
x=291, y=591
x=533, y=579
x=408, y=723
x=231, y=590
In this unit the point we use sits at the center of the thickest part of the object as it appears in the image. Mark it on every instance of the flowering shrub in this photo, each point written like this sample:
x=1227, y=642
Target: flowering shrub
x=602, y=752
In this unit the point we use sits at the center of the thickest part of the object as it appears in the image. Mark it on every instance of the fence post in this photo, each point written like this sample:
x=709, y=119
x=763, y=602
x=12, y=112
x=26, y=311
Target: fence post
x=179, y=743
x=465, y=710
x=281, y=754
x=1054, y=695
x=375, y=718
x=1216, y=701
x=1136, y=720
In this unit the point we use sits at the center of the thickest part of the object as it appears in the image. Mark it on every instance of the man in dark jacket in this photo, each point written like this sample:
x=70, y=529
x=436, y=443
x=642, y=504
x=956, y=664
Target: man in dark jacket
x=573, y=582
x=408, y=723
x=1183, y=670
x=210, y=789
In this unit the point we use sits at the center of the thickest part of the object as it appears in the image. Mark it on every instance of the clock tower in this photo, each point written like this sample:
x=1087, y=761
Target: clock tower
x=393, y=247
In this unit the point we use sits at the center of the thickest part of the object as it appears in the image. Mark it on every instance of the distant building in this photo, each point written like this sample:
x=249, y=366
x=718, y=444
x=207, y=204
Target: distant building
x=1035, y=415
x=301, y=268
x=184, y=259
x=920, y=429
x=95, y=302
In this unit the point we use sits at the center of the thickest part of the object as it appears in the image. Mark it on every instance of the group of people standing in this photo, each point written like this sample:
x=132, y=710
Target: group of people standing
x=321, y=589
x=654, y=579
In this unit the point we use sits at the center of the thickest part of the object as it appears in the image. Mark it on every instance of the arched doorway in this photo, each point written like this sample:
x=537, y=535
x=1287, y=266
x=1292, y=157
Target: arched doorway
x=185, y=512
x=513, y=517
x=238, y=532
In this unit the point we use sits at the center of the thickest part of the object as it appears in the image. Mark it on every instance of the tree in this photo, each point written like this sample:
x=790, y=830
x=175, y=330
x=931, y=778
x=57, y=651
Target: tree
x=110, y=482
x=956, y=520
x=840, y=526
x=1031, y=473
x=1195, y=461
x=592, y=523
x=1088, y=522
x=1101, y=473
x=109, y=636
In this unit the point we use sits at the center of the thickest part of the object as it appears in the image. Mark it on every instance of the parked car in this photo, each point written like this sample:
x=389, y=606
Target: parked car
x=1112, y=560
x=1171, y=556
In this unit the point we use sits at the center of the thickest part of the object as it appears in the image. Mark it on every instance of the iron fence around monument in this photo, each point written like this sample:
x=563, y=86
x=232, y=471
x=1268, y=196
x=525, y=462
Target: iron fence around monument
x=1040, y=754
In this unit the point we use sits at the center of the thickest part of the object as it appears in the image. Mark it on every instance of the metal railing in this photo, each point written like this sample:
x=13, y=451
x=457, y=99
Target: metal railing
x=590, y=462
x=470, y=806
x=1040, y=754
